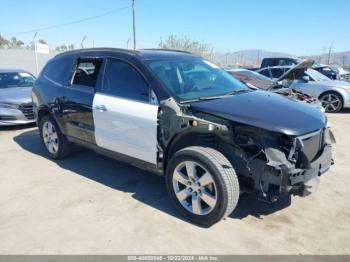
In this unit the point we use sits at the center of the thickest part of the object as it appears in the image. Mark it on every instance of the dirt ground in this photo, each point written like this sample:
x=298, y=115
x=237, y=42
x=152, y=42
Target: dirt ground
x=90, y=204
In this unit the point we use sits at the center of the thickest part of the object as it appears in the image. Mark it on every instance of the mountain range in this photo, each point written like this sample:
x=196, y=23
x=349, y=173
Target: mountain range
x=253, y=57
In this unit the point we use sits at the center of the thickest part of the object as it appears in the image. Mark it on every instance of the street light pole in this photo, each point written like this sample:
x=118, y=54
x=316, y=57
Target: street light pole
x=133, y=23
x=127, y=43
x=36, y=53
x=82, y=42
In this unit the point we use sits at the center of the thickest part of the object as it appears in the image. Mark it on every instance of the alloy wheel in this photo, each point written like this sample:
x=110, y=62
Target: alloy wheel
x=194, y=188
x=331, y=102
x=50, y=137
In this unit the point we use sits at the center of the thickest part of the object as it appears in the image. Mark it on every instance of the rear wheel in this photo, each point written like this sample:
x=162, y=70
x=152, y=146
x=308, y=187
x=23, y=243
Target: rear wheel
x=54, y=141
x=332, y=102
x=202, y=184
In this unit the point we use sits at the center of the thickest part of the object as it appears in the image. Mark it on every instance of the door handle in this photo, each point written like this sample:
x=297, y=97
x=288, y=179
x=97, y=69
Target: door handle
x=101, y=108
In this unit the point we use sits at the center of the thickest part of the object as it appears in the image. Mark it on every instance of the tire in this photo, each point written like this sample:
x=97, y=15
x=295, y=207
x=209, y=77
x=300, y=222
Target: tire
x=56, y=137
x=223, y=185
x=332, y=102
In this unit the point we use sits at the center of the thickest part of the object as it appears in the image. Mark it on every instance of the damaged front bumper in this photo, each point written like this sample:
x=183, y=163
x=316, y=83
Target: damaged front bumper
x=279, y=175
x=305, y=183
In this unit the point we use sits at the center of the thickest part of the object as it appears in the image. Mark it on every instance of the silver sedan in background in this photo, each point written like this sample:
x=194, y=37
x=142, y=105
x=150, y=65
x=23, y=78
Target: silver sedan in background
x=16, y=105
x=333, y=94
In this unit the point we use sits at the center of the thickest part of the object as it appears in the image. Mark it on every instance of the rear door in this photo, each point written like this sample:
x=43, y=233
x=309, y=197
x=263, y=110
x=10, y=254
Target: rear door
x=78, y=99
x=125, y=114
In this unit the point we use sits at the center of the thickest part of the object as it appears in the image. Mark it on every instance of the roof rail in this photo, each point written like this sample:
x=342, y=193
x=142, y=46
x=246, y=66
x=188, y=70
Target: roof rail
x=98, y=49
x=167, y=49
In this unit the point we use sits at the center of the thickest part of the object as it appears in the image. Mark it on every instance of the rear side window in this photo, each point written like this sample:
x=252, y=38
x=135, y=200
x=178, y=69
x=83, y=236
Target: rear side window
x=123, y=80
x=86, y=72
x=286, y=62
x=59, y=69
x=269, y=62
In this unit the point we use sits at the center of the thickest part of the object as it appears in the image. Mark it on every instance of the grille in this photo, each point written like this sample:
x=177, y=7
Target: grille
x=313, y=144
x=347, y=77
x=27, y=110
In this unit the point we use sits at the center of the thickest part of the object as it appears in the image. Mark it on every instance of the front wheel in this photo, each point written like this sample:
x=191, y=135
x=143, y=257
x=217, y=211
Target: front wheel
x=202, y=184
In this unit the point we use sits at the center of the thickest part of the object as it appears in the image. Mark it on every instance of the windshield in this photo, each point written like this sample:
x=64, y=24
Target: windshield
x=194, y=78
x=16, y=79
x=316, y=76
x=253, y=78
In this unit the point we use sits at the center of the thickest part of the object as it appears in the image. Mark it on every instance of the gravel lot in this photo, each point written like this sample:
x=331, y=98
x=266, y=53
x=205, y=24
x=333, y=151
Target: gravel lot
x=90, y=204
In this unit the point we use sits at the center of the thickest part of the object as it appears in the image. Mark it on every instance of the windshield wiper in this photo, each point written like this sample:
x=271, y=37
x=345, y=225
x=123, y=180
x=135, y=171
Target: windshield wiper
x=202, y=99
x=205, y=98
x=238, y=91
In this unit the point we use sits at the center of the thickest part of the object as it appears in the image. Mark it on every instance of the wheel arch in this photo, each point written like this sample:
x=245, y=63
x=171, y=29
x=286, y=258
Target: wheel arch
x=332, y=91
x=44, y=111
x=195, y=138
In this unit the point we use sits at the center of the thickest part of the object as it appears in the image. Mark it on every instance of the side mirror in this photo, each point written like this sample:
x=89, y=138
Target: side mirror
x=306, y=78
x=283, y=83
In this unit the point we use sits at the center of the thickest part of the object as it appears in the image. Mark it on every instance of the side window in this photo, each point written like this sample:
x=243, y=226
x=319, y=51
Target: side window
x=86, y=72
x=122, y=80
x=276, y=72
x=59, y=69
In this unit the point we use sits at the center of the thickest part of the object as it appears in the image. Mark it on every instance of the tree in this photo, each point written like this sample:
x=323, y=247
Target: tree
x=3, y=42
x=63, y=48
x=186, y=44
x=15, y=43
x=30, y=46
x=42, y=41
x=71, y=47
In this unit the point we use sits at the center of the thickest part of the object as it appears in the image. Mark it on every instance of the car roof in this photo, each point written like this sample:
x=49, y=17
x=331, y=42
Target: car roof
x=11, y=70
x=140, y=53
x=292, y=58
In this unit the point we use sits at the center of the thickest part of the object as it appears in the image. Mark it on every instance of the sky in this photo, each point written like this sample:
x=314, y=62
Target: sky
x=299, y=27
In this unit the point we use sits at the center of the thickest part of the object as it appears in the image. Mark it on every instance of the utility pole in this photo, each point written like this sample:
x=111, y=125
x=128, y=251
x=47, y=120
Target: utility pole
x=36, y=53
x=227, y=59
x=329, y=54
x=133, y=23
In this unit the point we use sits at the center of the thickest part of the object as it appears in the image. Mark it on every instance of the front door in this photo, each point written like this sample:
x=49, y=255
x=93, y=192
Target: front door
x=125, y=119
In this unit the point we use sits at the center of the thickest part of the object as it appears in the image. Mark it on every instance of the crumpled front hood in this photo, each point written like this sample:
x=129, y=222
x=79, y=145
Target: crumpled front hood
x=266, y=110
x=16, y=95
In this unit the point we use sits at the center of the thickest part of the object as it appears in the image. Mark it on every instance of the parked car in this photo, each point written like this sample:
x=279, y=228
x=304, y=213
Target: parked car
x=333, y=94
x=16, y=105
x=288, y=61
x=343, y=74
x=182, y=117
x=262, y=82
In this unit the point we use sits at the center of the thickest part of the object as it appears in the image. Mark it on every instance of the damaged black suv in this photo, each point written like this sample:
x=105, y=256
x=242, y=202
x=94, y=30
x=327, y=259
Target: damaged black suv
x=182, y=117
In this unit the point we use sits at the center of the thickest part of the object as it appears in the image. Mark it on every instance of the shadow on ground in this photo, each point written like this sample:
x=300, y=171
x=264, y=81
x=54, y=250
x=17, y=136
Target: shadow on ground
x=345, y=111
x=146, y=187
